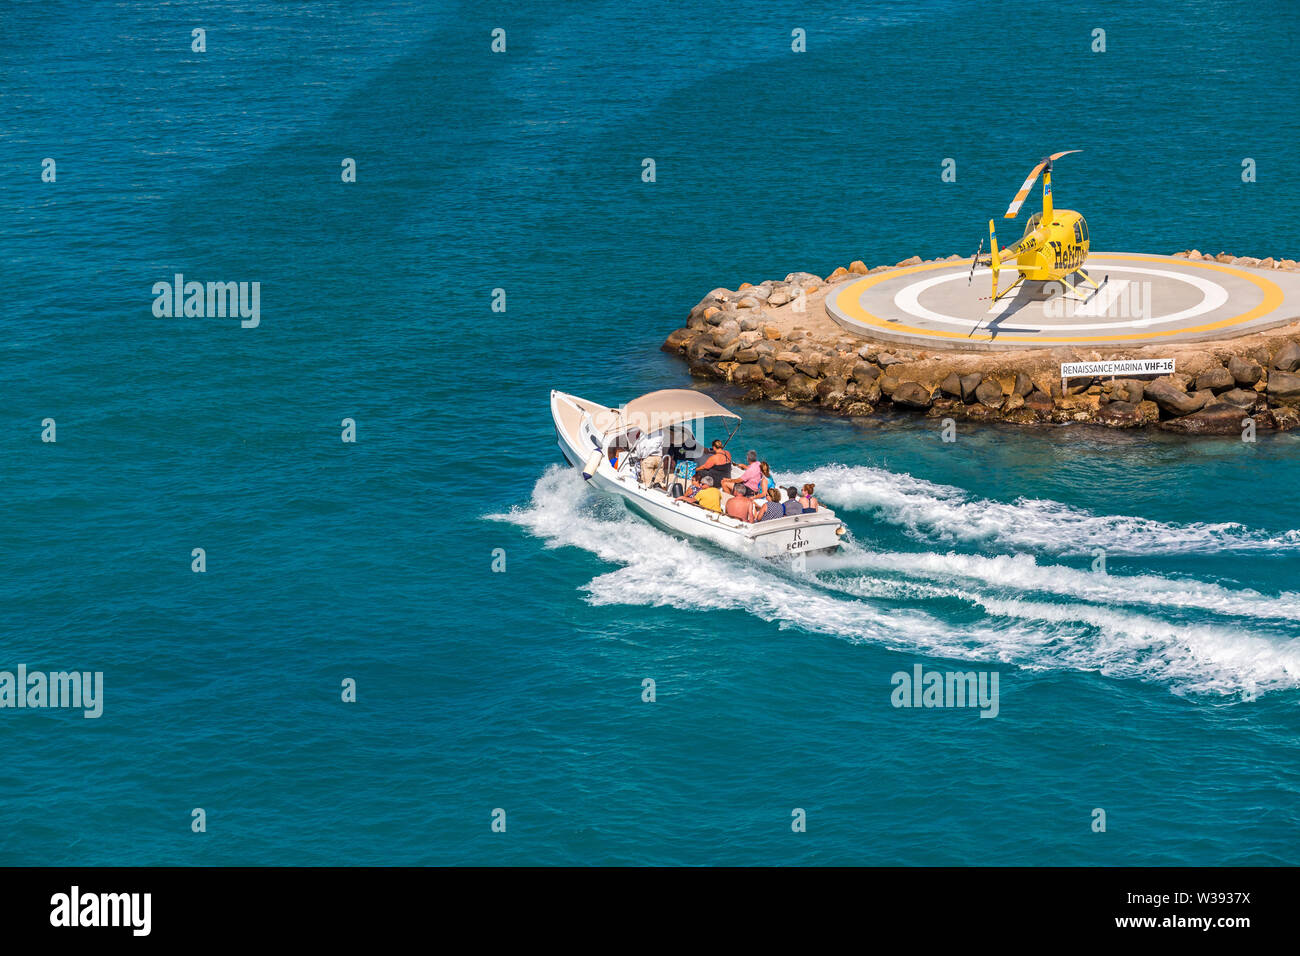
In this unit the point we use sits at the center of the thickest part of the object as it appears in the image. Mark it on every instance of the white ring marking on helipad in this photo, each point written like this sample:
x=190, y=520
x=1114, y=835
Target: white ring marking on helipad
x=1213, y=296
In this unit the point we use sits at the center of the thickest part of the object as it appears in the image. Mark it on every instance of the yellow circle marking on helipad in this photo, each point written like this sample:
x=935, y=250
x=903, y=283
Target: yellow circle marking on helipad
x=854, y=310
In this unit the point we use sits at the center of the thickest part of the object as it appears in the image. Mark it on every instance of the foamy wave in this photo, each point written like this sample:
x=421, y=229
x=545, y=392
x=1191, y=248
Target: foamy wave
x=1023, y=573
x=934, y=512
x=902, y=606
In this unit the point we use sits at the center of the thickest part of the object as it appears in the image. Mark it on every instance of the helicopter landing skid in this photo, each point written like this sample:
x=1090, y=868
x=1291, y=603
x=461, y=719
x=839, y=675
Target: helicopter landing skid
x=1073, y=290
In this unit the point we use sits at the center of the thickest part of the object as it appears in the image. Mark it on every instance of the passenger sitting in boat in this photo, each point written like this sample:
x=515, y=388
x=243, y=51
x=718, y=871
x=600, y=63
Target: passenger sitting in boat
x=791, y=503
x=707, y=496
x=718, y=464
x=765, y=507
x=737, y=507
x=806, y=499
x=750, y=477
x=765, y=482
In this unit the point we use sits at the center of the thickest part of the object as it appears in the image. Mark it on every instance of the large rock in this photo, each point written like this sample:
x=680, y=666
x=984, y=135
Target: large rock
x=1024, y=385
x=1039, y=402
x=1244, y=371
x=780, y=296
x=989, y=393
x=1216, y=379
x=801, y=388
x=746, y=356
x=1171, y=398
x=1246, y=398
x=1287, y=358
x=1286, y=419
x=702, y=350
x=1221, y=418
x=864, y=373
x=812, y=364
x=831, y=391
x=744, y=374
x=1284, y=387
x=678, y=340
x=870, y=393
x=726, y=333
x=1128, y=390
x=782, y=371
x=951, y=385
x=1120, y=414
x=912, y=395
x=969, y=383
x=1077, y=386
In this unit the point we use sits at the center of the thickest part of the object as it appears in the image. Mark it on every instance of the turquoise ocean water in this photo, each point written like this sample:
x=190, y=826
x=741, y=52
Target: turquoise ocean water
x=522, y=690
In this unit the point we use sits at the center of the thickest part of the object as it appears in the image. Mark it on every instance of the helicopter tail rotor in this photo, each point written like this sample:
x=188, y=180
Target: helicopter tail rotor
x=975, y=261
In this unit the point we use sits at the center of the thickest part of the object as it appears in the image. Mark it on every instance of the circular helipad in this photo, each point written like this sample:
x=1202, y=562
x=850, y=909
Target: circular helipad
x=1143, y=299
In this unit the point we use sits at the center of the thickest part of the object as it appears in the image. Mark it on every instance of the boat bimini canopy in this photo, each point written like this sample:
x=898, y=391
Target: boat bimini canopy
x=655, y=411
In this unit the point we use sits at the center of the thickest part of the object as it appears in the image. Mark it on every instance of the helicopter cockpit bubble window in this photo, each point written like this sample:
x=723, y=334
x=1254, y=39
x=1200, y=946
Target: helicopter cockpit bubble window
x=1083, y=223
x=1033, y=222
x=1078, y=231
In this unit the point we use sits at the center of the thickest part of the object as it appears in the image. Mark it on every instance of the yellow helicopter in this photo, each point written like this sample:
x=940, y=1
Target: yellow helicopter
x=1053, y=248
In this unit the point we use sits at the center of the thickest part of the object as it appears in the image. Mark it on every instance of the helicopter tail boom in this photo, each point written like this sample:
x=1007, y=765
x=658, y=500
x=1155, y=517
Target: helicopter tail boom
x=995, y=261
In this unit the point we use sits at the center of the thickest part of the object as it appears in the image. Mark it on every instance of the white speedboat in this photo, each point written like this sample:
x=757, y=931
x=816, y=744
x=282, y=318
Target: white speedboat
x=586, y=431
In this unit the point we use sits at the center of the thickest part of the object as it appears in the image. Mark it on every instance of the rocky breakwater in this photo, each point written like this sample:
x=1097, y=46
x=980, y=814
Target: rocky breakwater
x=775, y=341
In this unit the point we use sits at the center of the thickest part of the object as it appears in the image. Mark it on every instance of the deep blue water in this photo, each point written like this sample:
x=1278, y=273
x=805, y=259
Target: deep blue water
x=522, y=690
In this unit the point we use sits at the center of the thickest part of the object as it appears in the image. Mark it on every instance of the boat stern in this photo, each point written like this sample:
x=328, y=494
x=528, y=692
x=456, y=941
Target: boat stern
x=819, y=532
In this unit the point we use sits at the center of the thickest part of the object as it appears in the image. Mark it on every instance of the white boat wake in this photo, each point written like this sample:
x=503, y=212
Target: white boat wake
x=996, y=609
x=932, y=512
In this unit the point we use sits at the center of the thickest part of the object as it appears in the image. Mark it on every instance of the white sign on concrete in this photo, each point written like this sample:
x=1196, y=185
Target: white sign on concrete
x=1122, y=367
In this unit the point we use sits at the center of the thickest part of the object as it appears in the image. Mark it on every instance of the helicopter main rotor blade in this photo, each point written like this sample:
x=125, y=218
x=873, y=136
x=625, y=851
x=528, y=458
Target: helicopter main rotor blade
x=1014, y=209
x=1016, y=203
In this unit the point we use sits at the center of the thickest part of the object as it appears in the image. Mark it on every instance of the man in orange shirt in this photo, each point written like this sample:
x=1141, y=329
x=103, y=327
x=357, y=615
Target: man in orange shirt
x=717, y=465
